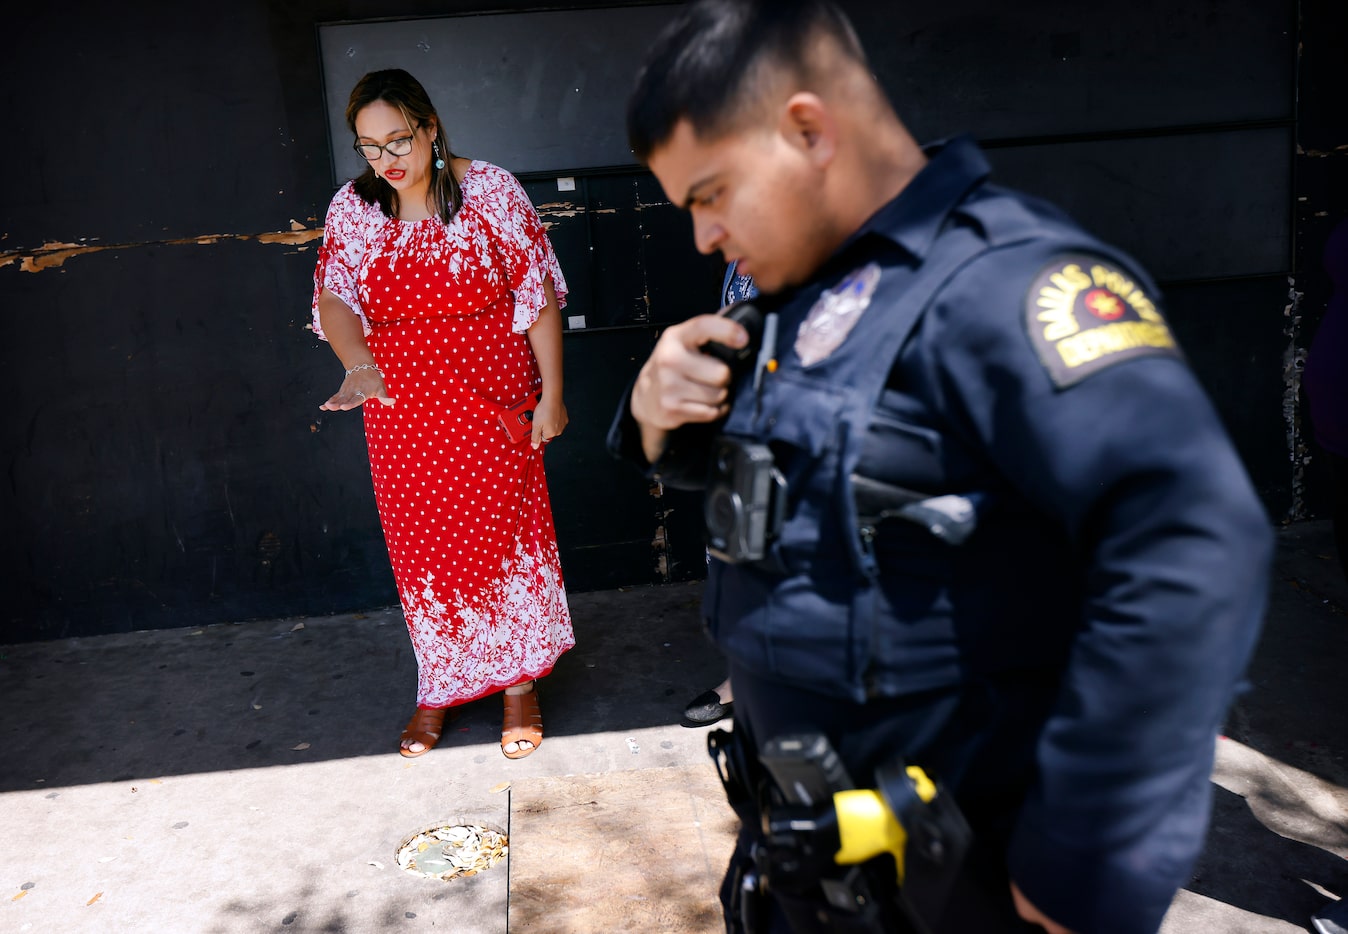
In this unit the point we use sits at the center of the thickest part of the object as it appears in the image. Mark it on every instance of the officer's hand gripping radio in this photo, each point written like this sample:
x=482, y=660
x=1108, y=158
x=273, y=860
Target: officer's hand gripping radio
x=748, y=315
x=745, y=492
x=817, y=822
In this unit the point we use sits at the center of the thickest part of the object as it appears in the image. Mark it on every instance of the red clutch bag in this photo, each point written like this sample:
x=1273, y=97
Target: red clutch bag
x=518, y=419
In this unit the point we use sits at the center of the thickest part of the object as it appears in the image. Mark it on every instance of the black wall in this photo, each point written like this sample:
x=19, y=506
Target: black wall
x=165, y=461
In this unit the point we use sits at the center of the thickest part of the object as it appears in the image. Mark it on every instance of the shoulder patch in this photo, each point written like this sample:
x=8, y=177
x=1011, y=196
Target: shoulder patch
x=1084, y=314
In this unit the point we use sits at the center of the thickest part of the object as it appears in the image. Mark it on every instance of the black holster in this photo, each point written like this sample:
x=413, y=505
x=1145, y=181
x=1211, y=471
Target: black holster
x=769, y=875
x=743, y=895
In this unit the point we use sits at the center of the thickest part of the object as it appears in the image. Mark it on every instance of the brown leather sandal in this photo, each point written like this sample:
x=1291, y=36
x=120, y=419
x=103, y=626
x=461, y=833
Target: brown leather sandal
x=523, y=723
x=425, y=728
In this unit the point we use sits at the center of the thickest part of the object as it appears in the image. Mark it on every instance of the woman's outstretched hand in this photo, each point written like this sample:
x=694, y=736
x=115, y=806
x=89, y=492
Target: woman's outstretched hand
x=357, y=389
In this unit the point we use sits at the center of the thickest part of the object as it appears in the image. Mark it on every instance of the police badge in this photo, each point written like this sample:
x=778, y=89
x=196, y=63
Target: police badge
x=835, y=313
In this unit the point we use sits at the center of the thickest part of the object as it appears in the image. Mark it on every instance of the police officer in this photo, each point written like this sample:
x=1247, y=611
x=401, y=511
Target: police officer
x=1060, y=654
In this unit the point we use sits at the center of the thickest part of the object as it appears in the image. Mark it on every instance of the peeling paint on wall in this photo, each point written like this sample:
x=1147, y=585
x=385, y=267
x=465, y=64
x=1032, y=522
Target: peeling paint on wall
x=560, y=209
x=1294, y=362
x=664, y=556
x=660, y=546
x=660, y=540
x=553, y=211
x=53, y=254
x=1323, y=153
x=643, y=236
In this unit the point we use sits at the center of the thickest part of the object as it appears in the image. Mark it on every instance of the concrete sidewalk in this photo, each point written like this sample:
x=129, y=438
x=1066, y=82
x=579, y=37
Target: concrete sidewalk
x=244, y=777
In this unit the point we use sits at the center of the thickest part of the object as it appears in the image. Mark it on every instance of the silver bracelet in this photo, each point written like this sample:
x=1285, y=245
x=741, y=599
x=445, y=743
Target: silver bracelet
x=366, y=366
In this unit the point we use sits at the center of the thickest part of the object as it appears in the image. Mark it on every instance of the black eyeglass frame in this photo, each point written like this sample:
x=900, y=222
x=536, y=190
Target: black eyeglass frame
x=402, y=141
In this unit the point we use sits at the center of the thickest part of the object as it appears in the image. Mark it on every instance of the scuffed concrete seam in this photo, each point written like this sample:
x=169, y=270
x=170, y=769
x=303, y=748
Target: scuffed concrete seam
x=1293, y=363
x=53, y=254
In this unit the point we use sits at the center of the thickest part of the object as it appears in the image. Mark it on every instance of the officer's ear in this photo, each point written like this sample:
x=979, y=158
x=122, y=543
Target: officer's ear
x=809, y=126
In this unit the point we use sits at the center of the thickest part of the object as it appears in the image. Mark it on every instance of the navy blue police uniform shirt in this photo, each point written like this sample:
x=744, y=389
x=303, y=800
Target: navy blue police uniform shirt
x=735, y=287
x=1066, y=670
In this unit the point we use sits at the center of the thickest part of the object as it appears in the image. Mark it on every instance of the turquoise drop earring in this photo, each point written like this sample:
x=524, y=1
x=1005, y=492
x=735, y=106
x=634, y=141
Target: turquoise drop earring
x=435, y=149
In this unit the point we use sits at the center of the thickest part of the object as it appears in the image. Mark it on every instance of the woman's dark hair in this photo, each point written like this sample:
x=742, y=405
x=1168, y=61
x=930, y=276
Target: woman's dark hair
x=399, y=89
x=703, y=66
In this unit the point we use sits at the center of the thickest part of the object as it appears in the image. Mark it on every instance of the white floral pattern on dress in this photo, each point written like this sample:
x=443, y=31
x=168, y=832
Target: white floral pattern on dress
x=489, y=656
x=500, y=214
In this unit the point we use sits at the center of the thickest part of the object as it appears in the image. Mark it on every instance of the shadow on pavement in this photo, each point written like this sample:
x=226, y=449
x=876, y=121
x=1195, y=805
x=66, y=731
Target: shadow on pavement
x=250, y=695
x=1251, y=867
x=1279, y=825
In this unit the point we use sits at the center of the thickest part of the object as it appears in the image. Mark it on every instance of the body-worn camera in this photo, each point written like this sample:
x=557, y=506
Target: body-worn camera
x=743, y=504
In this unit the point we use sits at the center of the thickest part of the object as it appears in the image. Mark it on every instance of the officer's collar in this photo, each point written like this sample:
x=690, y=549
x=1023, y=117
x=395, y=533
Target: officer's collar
x=914, y=217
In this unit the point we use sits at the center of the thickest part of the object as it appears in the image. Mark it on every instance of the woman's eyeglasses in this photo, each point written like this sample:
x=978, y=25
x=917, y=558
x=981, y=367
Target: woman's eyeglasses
x=371, y=152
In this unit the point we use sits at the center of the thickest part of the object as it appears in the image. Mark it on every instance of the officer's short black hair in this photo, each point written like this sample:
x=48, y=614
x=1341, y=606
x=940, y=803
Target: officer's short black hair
x=709, y=65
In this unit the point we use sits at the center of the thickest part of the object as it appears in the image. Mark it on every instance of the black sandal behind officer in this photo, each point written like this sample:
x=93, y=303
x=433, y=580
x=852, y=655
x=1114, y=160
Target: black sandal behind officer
x=1016, y=547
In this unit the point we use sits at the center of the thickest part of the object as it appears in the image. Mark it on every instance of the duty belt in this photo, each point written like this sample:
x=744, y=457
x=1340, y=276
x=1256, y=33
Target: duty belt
x=835, y=858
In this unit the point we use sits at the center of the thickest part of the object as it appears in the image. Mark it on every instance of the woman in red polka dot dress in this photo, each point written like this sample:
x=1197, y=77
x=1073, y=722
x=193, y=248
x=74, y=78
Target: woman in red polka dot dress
x=437, y=288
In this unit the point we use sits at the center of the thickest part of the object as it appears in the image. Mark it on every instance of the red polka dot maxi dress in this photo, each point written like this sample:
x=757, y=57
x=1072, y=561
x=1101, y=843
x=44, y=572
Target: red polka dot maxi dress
x=465, y=511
